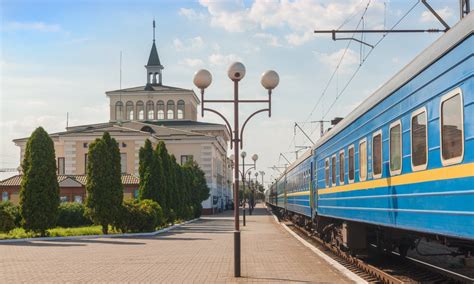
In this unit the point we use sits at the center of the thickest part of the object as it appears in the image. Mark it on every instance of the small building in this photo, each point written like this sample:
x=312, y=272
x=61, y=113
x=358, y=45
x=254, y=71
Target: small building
x=72, y=188
x=157, y=112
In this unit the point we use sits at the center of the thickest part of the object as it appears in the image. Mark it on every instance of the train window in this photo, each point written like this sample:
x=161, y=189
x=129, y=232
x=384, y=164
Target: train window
x=351, y=163
x=326, y=168
x=342, y=169
x=333, y=170
x=363, y=160
x=377, y=154
x=395, y=152
x=419, y=142
x=452, y=134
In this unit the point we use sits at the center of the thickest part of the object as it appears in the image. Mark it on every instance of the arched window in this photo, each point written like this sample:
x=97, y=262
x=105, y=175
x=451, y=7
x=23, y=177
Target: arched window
x=140, y=110
x=170, y=109
x=160, y=110
x=150, y=77
x=180, y=109
x=150, y=110
x=129, y=110
x=118, y=110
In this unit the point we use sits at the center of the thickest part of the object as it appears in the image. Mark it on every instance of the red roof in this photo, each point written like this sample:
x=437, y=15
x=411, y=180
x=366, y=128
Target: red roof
x=127, y=179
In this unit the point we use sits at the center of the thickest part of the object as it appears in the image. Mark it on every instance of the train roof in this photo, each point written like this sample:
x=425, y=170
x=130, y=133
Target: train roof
x=301, y=159
x=437, y=49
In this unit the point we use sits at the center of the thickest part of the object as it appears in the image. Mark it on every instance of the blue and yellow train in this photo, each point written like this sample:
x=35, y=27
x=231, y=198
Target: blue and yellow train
x=401, y=165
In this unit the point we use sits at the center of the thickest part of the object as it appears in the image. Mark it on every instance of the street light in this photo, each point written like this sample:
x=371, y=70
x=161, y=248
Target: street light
x=244, y=173
x=269, y=80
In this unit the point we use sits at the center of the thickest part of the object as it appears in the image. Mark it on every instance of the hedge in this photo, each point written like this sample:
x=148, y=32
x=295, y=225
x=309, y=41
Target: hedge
x=71, y=214
x=140, y=216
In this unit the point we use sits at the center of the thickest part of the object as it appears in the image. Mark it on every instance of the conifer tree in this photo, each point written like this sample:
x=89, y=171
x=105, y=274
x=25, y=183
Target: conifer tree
x=166, y=183
x=199, y=188
x=39, y=189
x=146, y=169
x=145, y=159
x=104, y=184
x=173, y=187
x=179, y=189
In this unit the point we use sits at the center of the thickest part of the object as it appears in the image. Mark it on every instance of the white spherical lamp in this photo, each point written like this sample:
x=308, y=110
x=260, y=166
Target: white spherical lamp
x=236, y=71
x=243, y=154
x=202, y=79
x=255, y=157
x=270, y=79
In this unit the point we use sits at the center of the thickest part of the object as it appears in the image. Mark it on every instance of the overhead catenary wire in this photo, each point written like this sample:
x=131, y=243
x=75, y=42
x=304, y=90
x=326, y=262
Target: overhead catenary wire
x=337, y=66
x=348, y=19
x=364, y=60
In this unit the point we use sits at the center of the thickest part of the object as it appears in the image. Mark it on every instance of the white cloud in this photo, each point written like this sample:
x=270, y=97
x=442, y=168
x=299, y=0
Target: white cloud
x=351, y=58
x=191, y=14
x=191, y=62
x=195, y=43
x=271, y=40
x=299, y=39
x=178, y=44
x=221, y=59
x=445, y=13
x=31, y=26
x=298, y=16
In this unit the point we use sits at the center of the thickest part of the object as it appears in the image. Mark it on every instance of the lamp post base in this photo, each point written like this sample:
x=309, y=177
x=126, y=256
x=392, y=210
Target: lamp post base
x=236, y=253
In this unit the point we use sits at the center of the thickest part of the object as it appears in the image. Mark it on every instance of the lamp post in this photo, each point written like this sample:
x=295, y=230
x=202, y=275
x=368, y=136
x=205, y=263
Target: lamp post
x=243, y=154
x=253, y=192
x=269, y=80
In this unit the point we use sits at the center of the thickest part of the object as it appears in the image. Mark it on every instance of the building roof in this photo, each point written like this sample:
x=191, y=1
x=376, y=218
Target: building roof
x=127, y=179
x=151, y=88
x=181, y=122
x=154, y=59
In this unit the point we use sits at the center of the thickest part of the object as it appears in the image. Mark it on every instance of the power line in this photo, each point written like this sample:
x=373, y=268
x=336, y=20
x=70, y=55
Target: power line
x=348, y=19
x=337, y=67
x=365, y=58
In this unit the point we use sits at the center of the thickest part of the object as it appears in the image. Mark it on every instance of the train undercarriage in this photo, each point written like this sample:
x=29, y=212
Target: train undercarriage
x=362, y=239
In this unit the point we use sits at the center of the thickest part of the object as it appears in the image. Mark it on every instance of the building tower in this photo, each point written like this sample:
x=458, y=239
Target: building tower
x=154, y=68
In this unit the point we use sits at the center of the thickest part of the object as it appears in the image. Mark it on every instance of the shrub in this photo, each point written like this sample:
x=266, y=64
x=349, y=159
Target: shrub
x=71, y=214
x=12, y=209
x=140, y=216
x=7, y=219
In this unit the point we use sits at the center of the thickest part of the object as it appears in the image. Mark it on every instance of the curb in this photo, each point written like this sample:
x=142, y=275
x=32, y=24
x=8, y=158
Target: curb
x=164, y=230
x=336, y=265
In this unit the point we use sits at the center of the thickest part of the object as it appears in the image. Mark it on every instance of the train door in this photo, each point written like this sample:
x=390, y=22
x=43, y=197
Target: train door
x=314, y=186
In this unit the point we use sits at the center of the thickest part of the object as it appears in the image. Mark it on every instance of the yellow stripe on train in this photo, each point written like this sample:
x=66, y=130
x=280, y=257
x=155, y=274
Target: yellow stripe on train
x=459, y=171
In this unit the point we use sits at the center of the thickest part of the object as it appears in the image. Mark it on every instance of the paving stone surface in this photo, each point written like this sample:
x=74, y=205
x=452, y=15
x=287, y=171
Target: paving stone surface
x=199, y=252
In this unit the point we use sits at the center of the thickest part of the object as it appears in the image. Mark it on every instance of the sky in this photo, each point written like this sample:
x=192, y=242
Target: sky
x=59, y=57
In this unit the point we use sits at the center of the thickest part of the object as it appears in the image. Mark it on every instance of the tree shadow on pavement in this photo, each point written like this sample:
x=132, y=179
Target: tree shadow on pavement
x=40, y=244
x=103, y=241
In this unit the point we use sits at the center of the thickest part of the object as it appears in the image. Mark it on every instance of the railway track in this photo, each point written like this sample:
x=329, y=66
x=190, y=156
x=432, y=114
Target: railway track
x=386, y=268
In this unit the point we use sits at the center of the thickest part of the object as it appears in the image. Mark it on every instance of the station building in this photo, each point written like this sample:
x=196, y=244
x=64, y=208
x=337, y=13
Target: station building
x=152, y=111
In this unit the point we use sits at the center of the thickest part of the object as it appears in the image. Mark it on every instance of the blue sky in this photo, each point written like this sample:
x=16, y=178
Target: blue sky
x=61, y=56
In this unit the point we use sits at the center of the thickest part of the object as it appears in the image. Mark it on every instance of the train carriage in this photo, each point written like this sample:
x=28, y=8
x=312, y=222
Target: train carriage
x=401, y=165
x=404, y=158
x=298, y=186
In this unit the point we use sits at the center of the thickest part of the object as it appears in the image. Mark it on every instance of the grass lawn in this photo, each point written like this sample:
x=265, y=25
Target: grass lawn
x=20, y=233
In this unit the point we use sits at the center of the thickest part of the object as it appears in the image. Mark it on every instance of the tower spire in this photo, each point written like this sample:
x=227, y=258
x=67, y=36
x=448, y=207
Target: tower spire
x=153, y=67
x=154, y=29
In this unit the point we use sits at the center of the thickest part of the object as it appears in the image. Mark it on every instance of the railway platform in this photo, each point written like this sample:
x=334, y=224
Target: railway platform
x=198, y=252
